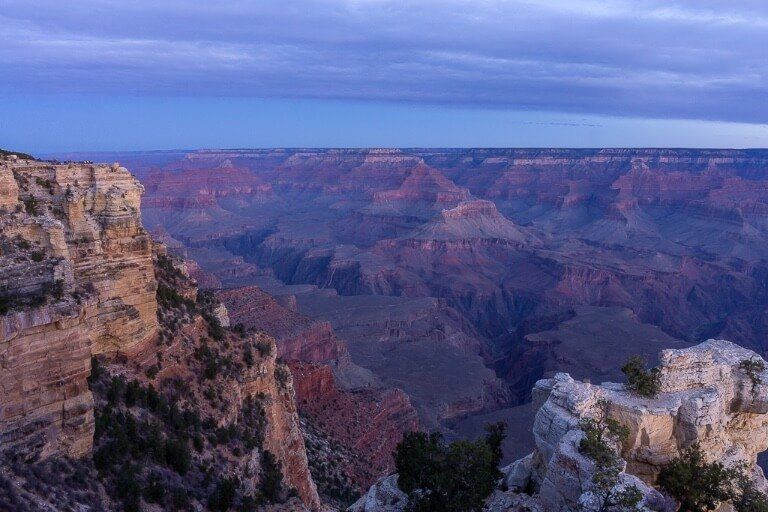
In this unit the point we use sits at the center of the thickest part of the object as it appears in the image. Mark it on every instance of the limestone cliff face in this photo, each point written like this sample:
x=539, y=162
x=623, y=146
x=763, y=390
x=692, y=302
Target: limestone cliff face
x=284, y=436
x=76, y=280
x=706, y=397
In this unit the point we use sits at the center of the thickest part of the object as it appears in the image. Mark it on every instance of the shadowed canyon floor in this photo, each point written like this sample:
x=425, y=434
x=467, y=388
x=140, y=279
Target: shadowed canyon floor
x=462, y=276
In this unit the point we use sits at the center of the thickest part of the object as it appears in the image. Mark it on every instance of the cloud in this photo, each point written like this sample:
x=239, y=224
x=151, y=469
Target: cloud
x=698, y=59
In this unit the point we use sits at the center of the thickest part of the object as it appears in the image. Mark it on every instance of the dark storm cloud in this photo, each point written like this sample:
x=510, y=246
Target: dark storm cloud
x=701, y=59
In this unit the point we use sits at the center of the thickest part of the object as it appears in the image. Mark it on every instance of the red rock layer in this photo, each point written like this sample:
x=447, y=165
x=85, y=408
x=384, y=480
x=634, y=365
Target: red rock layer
x=371, y=422
x=298, y=338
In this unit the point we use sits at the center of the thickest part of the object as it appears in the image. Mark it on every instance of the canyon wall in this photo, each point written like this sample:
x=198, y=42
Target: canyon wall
x=77, y=281
x=481, y=261
x=80, y=282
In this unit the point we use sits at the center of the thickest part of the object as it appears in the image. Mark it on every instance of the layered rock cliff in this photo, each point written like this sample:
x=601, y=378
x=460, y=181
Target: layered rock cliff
x=77, y=280
x=368, y=421
x=108, y=349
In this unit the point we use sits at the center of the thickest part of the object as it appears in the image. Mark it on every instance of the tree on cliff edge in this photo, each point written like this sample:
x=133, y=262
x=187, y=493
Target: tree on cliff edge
x=455, y=477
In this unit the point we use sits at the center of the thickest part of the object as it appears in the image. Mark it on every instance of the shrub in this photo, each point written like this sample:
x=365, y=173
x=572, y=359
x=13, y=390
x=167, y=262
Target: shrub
x=31, y=205
x=599, y=432
x=282, y=375
x=223, y=496
x=38, y=256
x=152, y=371
x=644, y=382
x=264, y=348
x=448, y=477
x=748, y=498
x=178, y=456
x=248, y=356
x=272, y=478
x=154, y=492
x=128, y=489
x=753, y=368
x=699, y=485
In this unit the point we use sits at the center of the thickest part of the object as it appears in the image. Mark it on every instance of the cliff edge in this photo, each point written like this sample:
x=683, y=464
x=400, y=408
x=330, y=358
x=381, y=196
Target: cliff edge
x=121, y=386
x=713, y=395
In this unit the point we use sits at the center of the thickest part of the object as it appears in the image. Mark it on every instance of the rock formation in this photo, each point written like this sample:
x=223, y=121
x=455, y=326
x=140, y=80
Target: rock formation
x=82, y=281
x=369, y=421
x=707, y=396
x=77, y=280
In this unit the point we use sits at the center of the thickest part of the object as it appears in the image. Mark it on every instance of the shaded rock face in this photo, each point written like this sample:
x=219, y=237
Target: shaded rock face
x=706, y=397
x=370, y=422
x=284, y=436
x=77, y=280
x=299, y=338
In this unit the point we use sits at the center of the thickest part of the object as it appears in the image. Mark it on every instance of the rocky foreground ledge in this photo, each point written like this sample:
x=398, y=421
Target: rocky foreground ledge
x=708, y=395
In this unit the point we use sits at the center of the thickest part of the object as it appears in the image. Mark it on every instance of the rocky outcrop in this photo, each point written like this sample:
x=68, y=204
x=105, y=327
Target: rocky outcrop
x=284, y=436
x=426, y=185
x=707, y=397
x=370, y=422
x=77, y=280
x=299, y=338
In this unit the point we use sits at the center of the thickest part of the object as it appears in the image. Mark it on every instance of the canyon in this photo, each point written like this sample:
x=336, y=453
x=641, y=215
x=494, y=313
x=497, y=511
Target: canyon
x=706, y=398
x=356, y=295
x=496, y=266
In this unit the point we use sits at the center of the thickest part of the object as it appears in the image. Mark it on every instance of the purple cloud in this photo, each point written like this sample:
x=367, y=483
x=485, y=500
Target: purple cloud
x=699, y=59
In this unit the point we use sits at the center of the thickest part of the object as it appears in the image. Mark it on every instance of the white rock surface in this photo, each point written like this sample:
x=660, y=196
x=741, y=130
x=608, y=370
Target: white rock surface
x=706, y=397
x=383, y=496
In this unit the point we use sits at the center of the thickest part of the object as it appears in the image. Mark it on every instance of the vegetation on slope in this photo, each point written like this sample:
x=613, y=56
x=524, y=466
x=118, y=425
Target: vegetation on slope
x=5, y=153
x=455, y=477
x=159, y=443
x=700, y=486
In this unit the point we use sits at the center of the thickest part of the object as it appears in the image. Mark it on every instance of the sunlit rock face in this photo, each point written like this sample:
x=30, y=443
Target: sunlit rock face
x=77, y=280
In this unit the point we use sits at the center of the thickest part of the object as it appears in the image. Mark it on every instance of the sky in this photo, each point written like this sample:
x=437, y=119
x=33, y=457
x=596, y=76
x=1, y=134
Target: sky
x=161, y=74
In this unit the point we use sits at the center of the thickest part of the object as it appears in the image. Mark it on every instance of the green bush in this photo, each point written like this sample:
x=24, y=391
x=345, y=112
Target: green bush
x=282, y=374
x=700, y=486
x=753, y=368
x=223, y=496
x=154, y=492
x=455, y=477
x=644, y=382
x=31, y=206
x=272, y=478
x=264, y=348
x=599, y=433
x=695, y=483
x=177, y=455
